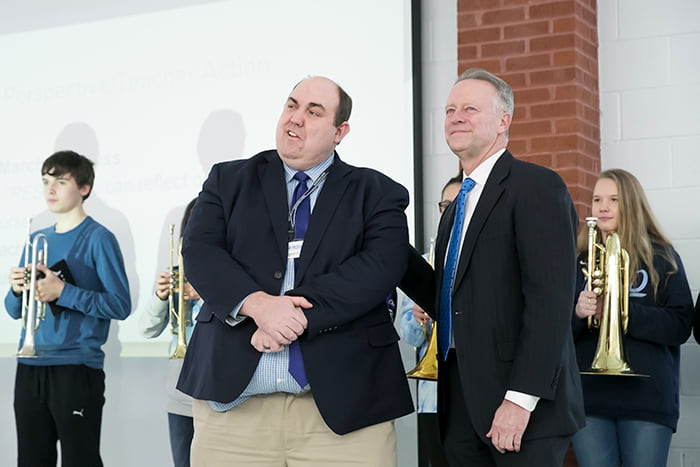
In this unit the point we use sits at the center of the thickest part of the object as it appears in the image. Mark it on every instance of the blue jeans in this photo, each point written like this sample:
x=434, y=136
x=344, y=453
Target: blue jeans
x=181, y=431
x=614, y=442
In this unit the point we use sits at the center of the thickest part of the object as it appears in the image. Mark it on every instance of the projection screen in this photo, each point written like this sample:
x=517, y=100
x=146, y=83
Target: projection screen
x=155, y=92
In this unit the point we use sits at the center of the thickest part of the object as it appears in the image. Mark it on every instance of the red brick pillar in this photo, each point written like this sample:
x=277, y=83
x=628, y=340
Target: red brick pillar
x=547, y=50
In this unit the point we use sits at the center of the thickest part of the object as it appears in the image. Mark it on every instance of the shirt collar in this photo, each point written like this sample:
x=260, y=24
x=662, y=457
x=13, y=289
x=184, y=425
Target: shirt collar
x=313, y=172
x=482, y=172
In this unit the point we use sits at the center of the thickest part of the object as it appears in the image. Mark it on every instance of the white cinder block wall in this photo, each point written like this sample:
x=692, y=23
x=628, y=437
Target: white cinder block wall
x=649, y=101
x=439, y=73
x=650, y=125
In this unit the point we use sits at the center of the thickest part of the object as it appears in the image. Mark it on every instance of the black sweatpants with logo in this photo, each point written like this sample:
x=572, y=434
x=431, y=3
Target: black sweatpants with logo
x=58, y=403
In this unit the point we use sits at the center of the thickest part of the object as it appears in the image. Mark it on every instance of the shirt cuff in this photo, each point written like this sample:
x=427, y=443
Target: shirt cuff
x=233, y=319
x=526, y=401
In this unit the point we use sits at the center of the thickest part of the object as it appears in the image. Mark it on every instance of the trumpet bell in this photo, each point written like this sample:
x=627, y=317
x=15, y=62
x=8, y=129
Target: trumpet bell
x=614, y=369
x=179, y=353
x=427, y=367
x=27, y=350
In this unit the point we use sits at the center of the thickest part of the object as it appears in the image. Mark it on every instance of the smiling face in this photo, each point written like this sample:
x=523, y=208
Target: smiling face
x=62, y=193
x=475, y=122
x=605, y=206
x=306, y=131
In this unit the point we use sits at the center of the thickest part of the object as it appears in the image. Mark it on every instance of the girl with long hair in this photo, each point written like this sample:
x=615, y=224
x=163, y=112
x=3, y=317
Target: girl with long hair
x=630, y=419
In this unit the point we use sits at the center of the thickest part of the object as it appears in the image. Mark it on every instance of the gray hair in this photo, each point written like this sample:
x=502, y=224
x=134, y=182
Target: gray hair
x=503, y=89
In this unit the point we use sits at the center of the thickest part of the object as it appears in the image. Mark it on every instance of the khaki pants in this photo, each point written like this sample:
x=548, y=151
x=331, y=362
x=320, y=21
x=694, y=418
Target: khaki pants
x=284, y=430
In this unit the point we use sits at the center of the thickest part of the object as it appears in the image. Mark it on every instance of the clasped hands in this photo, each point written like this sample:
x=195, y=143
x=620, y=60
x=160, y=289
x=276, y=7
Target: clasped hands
x=280, y=320
x=48, y=288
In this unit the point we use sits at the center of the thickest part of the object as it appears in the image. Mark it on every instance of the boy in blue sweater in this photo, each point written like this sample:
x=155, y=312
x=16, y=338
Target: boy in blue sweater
x=59, y=393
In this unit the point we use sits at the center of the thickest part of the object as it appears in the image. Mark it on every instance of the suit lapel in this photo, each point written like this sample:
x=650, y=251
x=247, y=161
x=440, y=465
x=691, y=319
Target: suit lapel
x=443, y=238
x=489, y=196
x=325, y=207
x=274, y=192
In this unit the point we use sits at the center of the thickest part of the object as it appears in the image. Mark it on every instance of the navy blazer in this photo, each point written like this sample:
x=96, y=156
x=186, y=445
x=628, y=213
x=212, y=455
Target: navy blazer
x=512, y=298
x=354, y=254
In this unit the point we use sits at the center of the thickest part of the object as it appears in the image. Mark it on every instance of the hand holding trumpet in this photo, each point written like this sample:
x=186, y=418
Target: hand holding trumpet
x=589, y=305
x=17, y=280
x=420, y=316
x=163, y=288
x=48, y=285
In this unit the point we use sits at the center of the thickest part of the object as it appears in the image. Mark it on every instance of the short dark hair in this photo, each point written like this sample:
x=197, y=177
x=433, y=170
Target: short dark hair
x=344, y=107
x=70, y=162
x=186, y=216
x=456, y=180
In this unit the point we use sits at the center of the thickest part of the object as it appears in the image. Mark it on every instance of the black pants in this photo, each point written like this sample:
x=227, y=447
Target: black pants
x=181, y=430
x=58, y=403
x=465, y=448
x=430, y=453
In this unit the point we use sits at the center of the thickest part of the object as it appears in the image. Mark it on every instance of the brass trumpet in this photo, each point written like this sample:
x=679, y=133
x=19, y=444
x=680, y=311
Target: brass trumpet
x=607, y=271
x=33, y=310
x=427, y=367
x=181, y=317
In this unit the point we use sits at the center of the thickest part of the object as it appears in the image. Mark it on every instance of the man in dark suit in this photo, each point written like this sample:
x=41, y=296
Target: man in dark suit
x=503, y=294
x=294, y=360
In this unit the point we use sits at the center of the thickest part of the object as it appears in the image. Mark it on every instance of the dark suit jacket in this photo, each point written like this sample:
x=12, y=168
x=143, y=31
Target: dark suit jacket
x=355, y=252
x=512, y=298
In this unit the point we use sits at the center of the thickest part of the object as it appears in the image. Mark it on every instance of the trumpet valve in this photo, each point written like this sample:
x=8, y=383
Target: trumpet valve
x=174, y=280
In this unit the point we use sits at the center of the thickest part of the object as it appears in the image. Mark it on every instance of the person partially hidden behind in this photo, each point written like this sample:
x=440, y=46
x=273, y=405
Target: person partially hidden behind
x=630, y=419
x=294, y=360
x=416, y=328
x=509, y=393
x=152, y=323
x=59, y=394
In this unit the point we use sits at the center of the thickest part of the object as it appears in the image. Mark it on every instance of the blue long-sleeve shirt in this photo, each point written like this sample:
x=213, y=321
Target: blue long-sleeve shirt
x=101, y=293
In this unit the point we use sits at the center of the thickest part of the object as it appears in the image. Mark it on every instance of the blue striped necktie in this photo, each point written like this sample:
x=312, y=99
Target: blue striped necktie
x=301, y=222
x=445, y=311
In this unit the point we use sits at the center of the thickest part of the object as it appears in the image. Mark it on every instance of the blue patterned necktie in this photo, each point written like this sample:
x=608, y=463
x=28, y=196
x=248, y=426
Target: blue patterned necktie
x=301, y=222
x=445, y=311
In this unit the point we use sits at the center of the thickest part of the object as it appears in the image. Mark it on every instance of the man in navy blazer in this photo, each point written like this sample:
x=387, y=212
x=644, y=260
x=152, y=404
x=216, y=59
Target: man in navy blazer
x=509, y=392
x=266, y=290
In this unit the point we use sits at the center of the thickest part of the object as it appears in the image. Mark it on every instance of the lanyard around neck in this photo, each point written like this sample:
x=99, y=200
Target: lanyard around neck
x=291, y=219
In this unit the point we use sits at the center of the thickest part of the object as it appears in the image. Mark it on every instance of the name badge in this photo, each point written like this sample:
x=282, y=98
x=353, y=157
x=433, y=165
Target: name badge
x=294, y=250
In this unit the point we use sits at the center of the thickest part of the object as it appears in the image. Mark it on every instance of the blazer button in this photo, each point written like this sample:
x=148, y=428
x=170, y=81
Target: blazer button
x=277, y=275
